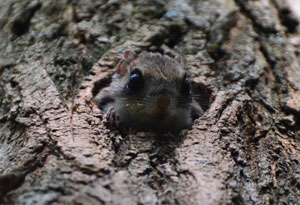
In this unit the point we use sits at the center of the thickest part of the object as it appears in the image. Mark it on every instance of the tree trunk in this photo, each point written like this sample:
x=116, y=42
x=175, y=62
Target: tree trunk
x=243, y=57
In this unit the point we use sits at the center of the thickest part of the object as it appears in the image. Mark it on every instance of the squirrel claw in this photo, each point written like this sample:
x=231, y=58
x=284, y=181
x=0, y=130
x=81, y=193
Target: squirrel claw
x=112, y=119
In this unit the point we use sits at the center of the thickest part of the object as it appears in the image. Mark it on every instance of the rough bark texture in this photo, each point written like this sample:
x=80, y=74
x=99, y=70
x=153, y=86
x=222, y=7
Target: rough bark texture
x=244, y=61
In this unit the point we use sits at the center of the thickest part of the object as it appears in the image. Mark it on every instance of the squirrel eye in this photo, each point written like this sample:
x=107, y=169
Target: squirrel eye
x=186, y=86
x=136, y=81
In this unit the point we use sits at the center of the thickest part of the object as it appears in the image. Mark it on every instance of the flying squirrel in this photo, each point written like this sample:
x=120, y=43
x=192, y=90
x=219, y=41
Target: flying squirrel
x=151, y=92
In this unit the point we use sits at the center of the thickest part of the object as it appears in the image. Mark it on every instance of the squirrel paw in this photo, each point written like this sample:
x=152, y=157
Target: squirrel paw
x=112, y=119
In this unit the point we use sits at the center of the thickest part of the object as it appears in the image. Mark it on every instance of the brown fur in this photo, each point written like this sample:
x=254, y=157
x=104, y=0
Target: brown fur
x=162, y=76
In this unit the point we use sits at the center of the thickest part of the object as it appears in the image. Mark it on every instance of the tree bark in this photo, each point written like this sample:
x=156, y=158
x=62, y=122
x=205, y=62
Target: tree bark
x=243, y=57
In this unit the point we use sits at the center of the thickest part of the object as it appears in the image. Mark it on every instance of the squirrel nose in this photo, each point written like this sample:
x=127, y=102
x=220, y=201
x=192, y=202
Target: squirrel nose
x=163, y=102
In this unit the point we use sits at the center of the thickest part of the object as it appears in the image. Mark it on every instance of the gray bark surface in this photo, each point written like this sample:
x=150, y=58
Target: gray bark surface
x=243, y=57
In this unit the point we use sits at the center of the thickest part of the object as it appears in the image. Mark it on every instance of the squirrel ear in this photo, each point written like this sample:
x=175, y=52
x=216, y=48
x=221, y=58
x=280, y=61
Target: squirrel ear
x=122, y=67
x=124, y=63
x=129, y=55
x=179, y=59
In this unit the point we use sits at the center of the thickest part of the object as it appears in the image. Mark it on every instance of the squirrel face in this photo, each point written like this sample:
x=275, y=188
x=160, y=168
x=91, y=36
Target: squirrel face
x=151, y=92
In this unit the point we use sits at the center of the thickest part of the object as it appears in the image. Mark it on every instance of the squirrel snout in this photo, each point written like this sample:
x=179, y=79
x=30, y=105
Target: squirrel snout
x=163, y=102
x=161, y=107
